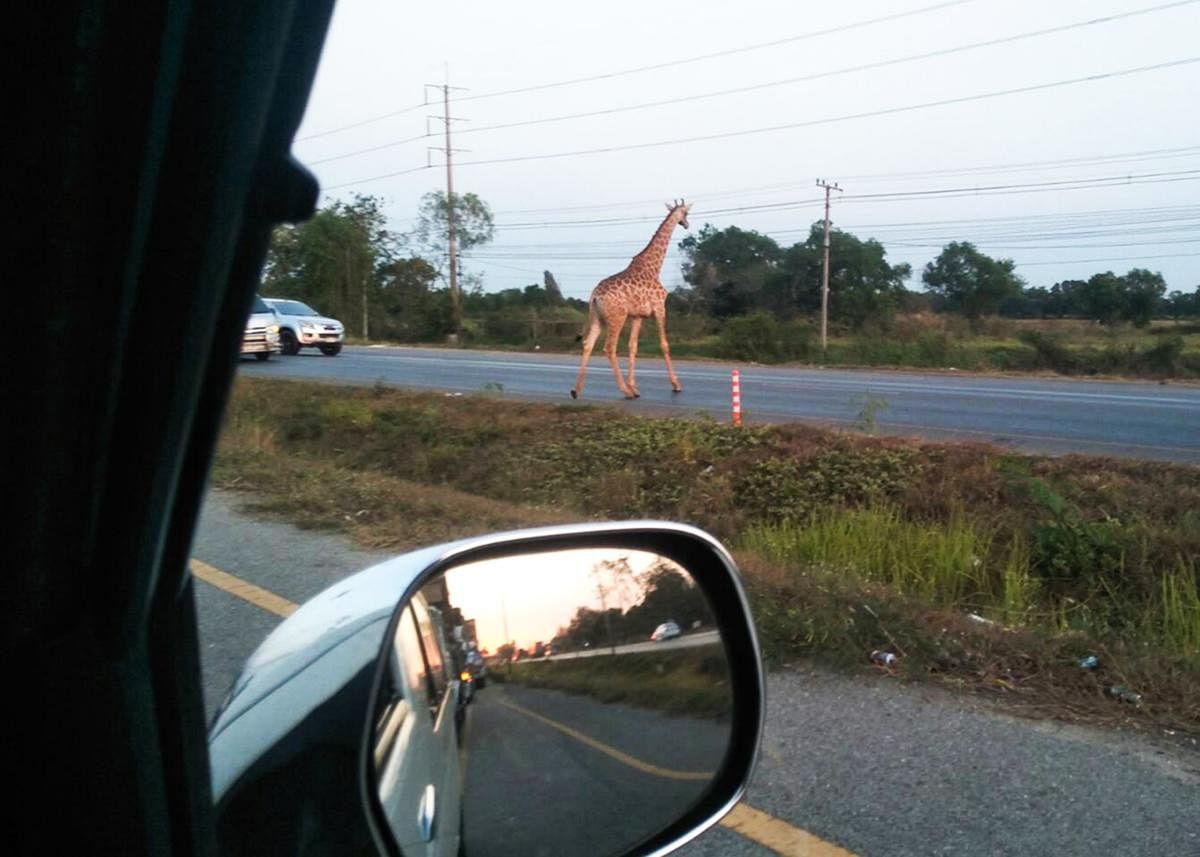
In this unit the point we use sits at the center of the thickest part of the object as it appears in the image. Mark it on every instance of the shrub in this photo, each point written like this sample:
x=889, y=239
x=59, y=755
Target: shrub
x=762, y=338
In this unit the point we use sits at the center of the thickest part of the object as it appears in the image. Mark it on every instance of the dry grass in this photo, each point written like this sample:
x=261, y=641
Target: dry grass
x=376, y=510
x=1077, y=554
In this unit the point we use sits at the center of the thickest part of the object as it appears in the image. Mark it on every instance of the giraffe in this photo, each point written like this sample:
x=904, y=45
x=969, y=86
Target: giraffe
x=635, y=294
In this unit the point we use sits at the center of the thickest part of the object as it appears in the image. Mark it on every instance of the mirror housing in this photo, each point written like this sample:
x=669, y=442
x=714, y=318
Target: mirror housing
x=290, y=746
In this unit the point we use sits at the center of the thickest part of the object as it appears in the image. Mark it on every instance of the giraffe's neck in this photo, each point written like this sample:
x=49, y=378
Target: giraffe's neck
x=651, y=259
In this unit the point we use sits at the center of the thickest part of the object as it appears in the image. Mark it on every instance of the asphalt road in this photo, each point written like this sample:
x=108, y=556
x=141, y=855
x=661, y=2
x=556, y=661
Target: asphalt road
x=532, y=788
x=1142, y=420
x=874, y=766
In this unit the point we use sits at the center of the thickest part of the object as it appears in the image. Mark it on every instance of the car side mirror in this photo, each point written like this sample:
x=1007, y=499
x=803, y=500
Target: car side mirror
x=592, y=689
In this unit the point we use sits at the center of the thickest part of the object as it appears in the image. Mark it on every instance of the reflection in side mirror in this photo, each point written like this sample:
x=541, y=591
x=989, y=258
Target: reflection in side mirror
x=549, y=702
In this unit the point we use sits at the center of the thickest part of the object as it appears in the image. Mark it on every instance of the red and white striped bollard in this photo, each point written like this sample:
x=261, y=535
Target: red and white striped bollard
x=737, y=398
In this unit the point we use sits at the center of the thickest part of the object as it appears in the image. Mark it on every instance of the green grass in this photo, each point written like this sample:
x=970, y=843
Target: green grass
x=847, y=541
x=689, y=681
x=941, y=563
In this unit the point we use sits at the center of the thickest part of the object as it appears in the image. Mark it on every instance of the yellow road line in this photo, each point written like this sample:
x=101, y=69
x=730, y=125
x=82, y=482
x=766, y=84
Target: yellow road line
x=613, y=752
x=256, y=595
x=777, y=835
x=754, y=824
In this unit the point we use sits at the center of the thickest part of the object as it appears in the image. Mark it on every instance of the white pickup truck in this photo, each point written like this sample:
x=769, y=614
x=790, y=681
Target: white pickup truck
x=301, y=326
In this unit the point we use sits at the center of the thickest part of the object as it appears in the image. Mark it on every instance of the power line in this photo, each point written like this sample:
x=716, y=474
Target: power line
x=377, y=178
x=639, y=69
x=1114, y=212
x=1114, y=158
x=843, y=118
x=913, y=194
x=390, y=145
x=788, y=81
x=1104, y=246
x=807, y=123
x=834, y=72
x=943, y=193
x=724, y=53
x=1109, y=259
x=341, y=128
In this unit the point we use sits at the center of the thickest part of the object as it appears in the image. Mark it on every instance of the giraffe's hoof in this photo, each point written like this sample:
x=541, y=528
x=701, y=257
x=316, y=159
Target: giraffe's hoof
x=676, y=390
x=574, y=395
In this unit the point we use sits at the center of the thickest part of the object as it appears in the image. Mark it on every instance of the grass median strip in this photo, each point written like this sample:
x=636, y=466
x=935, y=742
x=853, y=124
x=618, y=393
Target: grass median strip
x=983, y=569
x=691, y=681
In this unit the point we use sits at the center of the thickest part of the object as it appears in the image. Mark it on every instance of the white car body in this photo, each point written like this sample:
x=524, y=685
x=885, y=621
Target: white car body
x=301, y=326
x=416, y=758
x=665, y=631
x=262, y=331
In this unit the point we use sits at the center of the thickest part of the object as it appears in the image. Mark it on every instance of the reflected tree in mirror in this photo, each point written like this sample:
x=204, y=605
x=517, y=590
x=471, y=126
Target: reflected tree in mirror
x=580, y=725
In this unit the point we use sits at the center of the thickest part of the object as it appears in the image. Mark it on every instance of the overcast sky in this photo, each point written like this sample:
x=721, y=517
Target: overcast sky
x=1124, y=150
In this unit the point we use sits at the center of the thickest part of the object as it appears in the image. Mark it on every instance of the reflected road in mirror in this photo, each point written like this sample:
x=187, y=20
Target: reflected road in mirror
x=591, y=705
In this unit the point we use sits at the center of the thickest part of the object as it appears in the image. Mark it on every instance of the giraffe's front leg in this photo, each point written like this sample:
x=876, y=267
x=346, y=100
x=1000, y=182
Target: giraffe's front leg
x=635, y=329
x=660, y=317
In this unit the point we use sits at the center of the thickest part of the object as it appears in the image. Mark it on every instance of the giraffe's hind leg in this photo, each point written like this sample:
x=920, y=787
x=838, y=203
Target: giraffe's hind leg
x=635, y=329
x=589, y=342
x=614, y=323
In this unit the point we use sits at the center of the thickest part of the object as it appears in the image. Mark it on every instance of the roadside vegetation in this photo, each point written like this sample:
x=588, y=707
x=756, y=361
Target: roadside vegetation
x=977, y=567
x=746, y=297
x=690, y=681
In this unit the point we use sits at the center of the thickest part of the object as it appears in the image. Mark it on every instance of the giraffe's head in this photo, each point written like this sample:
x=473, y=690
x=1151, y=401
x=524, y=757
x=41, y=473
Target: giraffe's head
x=680, y=209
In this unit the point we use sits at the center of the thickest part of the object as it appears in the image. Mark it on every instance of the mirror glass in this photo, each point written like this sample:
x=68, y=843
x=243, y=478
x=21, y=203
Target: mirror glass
x=563, y=702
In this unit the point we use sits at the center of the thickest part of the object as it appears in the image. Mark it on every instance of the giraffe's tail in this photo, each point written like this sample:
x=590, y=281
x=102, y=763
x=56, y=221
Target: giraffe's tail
x=593, y=313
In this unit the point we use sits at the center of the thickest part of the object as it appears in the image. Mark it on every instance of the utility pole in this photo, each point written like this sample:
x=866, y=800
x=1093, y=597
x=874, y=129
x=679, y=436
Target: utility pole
x=452, y=227
x=825, y=264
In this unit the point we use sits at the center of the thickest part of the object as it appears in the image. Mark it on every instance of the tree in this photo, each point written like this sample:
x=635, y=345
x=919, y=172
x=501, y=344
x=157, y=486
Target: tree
x=727, y=268
x=331, y=260
x=971, y=282
x=1180, y=305
x=862, y=285
x=1101, y=297
x=412, y=309
x=430, y=238
x=552, y=289
x=735, y=272
x=669, y=595
x=1065, y=298
x=1141, y=293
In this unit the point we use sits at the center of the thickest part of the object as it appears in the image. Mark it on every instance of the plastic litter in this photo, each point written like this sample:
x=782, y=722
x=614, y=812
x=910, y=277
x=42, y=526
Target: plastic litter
x=1089, y=663
x=975, y=617
x=883, y=658
x=1123, y=694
